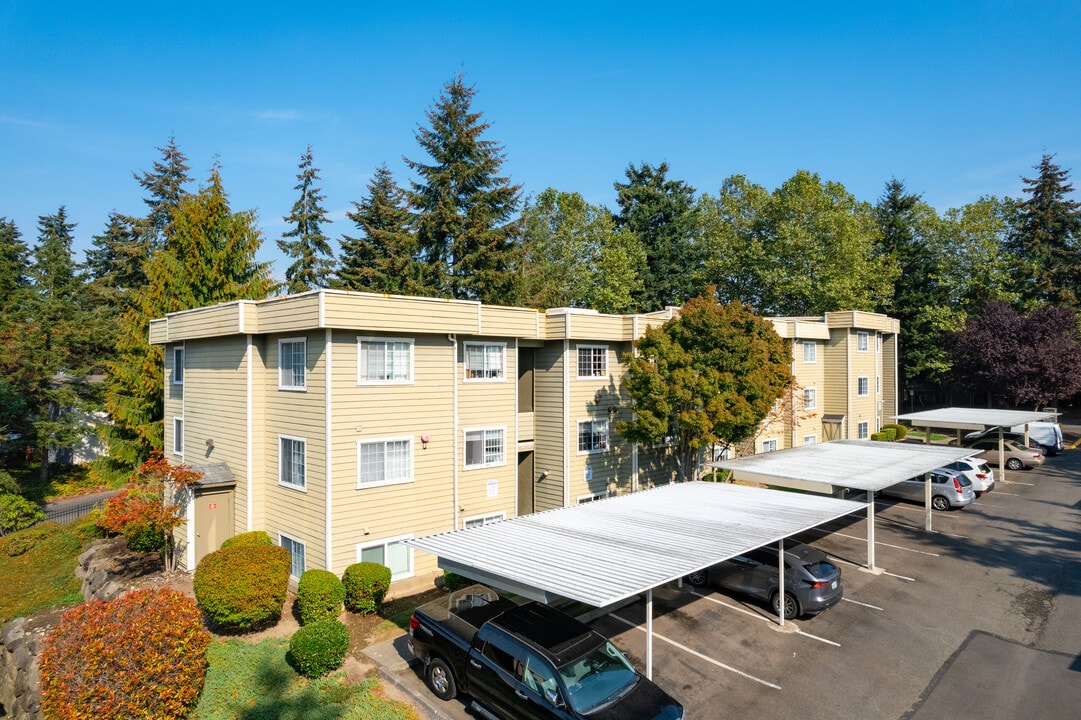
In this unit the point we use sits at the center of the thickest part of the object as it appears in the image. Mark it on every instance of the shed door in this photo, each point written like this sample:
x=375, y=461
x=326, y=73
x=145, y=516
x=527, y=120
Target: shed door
x=213, y=521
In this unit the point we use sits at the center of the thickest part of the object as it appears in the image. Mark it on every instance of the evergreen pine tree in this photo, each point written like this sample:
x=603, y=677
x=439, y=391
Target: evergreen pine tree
x=382, y=258
x=14, y=263
x=1048, y=236
x=166, y=187
x=312, y=267
x=467, y=229
x=16, y=362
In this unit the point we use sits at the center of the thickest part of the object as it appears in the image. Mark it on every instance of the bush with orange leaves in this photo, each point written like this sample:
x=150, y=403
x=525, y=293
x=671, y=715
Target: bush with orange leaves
x=141, y=655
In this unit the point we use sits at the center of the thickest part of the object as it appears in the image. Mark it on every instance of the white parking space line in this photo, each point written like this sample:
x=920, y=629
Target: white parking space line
x=697, y=654
x=857, y=602
x=999, y=492
x=756, y=616
x=896, y=547
x=1015, y=482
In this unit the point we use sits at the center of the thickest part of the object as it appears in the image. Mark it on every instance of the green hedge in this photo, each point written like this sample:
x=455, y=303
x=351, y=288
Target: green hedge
x=366, y=584
x=255, y=538
x=885, y=435
x=320, y=595
x=241, y=588
x=900, y=430
x=318, y=648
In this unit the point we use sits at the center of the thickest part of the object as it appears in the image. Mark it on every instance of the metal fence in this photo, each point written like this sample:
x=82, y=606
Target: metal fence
x=74, y=512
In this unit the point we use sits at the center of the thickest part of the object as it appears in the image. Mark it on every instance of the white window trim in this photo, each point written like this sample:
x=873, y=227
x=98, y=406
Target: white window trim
x=361, y=380
x=410, y=476
x=178, y=365
x=813, y=346
x=607, y=432
x=813, y=404
x=776, y=444
x=281, y=368
x=302, y=544
x=503, y=362
x=813, y=437
x=866, y=380
x=465, y=440
x=862, y=338
x=485, y=519
x=594, y=497
x=178, y=447
x=281, y=464
x=878, y=384
x=863, y=427
x=578, y=364
x=384, y=543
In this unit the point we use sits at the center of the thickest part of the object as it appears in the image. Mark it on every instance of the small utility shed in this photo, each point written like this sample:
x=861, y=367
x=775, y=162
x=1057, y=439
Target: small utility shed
x=854, y=464
x=603, y=552
x=959, y=418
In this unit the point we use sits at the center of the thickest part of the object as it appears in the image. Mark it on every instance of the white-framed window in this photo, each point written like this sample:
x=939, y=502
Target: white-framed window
x=292, y=360
x=592, y=361
x=810, y=351
x=392, y=553
x=178, y=366
x=483, y=520
x=384, y=361
x=810, y=398
x=592, y=436
x=384, y=462
x=592, y=498
x=484, y=448
x=485, y=361
x=863, y=385
x=861, y=341
x=810, y=439
x=296, y=555
x=769, y=445
x=178, y=436
x=878, y=384
x=292, y=453
x=862, y=428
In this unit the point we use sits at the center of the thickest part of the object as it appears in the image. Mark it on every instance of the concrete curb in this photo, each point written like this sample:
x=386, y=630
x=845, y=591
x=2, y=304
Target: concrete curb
x=425, y=702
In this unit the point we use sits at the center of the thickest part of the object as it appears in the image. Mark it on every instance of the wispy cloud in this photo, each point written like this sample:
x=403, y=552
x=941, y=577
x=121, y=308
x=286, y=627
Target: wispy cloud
x=22, y=122
x=277, y=117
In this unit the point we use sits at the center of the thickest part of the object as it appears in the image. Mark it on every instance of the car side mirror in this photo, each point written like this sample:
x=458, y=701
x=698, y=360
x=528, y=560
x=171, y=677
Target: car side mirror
x=552, y=696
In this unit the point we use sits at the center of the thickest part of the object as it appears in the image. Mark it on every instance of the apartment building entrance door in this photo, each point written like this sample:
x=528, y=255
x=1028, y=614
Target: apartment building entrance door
x=213, y=512
x=525, y=483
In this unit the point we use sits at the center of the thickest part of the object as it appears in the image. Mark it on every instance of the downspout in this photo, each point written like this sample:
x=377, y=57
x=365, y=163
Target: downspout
x=568, y=435
x=328, y=453
x=248, y=473
x=454, y=420
x=634, y=445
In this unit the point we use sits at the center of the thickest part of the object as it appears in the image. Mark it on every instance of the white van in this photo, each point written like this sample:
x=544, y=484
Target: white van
x=1047, y=434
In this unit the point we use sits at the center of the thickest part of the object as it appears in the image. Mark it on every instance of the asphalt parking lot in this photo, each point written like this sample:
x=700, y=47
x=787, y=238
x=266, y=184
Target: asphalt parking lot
x=979, y=619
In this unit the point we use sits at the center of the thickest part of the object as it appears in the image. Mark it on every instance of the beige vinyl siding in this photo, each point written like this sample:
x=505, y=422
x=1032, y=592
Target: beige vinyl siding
x=590, y=398
x=889, y=379
x=835, y=374
x=260, y=387
x=288, y=315
x=550, y=431
x=809, y=375
x=863, y=364
x=205, y=322
x=380, y=313
x=159, y=331
x=298, y=514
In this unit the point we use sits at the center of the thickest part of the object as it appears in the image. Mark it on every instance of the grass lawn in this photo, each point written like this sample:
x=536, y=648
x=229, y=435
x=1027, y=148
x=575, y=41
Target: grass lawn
x=37, y=570
x=253, y=681
x=922, y=435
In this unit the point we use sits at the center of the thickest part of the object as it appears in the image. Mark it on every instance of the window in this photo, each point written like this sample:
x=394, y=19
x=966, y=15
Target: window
x=483, y=520
x=810, y=439
x=484, y=361
x=384, y=361
x=291, y=461
x=878, y=384
x=810, y=351
x=592, y=361
x=483, y=448
x=861, y=341
x=384, y=462
x=292, y=357
x=178, y=366
x=592, y=498
x=296, y=555
x=861, y=430
x=769, y=445
x=810, y=401
x=592, y=435
x=392, y=553
x=178, y=436
x=862, y=386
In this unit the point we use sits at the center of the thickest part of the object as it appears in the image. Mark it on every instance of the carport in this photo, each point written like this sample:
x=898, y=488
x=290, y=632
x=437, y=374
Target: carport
x=958, y=418
x=854, y=464
x=604, y=552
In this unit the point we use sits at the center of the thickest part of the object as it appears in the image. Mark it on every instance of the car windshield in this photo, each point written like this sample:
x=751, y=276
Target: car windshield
x=600, y=677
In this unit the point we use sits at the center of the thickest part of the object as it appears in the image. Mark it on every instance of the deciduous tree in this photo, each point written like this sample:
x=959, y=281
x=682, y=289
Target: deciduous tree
x=312, y=266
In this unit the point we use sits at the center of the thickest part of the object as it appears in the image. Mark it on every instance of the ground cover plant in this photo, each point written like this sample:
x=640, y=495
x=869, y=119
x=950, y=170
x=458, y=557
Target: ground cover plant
x=37, y=570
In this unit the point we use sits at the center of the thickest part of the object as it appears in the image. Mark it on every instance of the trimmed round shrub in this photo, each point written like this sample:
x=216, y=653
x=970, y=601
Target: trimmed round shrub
x=319, y=596
x=242, y=588
x=255, y=538
x=318, y=648
x=901, y=430
x=366, y=584
x=18, y=513
x=141, y=655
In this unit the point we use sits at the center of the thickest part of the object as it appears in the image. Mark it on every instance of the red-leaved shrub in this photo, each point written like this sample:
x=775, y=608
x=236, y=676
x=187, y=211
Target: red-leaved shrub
x=140, y=655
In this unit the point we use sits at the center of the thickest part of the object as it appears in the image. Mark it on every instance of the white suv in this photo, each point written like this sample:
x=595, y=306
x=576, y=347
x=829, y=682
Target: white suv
x=977, y=471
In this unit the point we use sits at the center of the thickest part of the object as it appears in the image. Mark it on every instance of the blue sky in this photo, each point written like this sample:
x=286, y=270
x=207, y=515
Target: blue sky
x=958, y=100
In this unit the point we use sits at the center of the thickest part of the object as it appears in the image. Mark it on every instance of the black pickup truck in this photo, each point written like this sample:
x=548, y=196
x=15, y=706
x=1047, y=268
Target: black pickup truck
x=528, y=661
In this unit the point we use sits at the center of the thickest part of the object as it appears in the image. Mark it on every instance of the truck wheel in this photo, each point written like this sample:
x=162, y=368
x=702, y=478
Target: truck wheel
x=441, y=679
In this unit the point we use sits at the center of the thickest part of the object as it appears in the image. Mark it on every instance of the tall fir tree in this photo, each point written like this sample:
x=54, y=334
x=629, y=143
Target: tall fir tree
x=663, y=214
x=208, y=258
x=165, y=185
x=383, y=257
x=312, y=266
x=466, y=222
x=17, y=365
x=14, y=262
x=1048, y=236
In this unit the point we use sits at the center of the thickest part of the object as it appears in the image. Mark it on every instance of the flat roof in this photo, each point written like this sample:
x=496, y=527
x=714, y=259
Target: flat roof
x=605, y=551
x=858, y=464
x=975, y=418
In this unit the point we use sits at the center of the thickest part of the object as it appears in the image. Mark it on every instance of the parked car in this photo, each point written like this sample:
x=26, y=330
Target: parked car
x=978, y=473
x=1017, y=456
x=811, y=582
x=949, y=489
x=528, y=661
x=1045, y=436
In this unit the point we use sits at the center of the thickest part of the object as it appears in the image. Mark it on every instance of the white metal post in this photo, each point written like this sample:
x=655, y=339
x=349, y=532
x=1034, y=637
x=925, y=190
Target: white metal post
x=780, y=579
x=1002, y=453
x=870, y=530
x=927, y=501
x=649, y=634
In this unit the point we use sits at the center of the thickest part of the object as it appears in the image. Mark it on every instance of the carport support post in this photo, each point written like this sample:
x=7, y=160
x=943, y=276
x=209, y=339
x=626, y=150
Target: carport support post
x=1001, y=454
x=927, y=501
x=870, y=530
x=649, y=634
x=780, y=580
